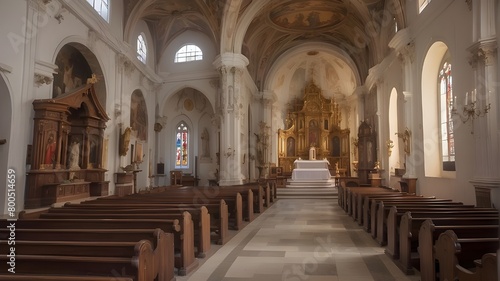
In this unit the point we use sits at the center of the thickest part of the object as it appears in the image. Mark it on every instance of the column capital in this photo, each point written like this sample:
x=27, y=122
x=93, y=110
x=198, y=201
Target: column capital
x=483, y=50
x=407, y=95
x=230, y=60
x=404, y=45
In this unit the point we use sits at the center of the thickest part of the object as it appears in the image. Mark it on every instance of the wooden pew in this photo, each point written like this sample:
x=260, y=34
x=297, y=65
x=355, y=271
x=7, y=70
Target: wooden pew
x=183, y=234
x=468, y=225
x=184, y=198
x=358, y=198
x=218, y=211
x=350, y=197
x=163, y=243
x=362, y=211
x=451, y=250
x=136, y=264
x=428, y=234
x=396, y=213
x=383, y=214
x=368, y=206
x=486, y=270
x=374, y=205
x=200, y=216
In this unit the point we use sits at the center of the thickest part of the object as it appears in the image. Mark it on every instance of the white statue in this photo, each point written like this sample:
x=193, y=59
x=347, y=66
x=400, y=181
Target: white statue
x=312, y=152
x=205, y=144
x=74, y=154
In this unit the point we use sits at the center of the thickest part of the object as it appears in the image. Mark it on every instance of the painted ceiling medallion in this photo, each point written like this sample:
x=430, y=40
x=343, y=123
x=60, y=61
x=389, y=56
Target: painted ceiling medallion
x=308, y=15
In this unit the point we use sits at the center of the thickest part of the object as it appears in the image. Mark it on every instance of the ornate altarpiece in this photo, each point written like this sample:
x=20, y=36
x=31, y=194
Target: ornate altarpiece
x=314, y=121
x=66, y=162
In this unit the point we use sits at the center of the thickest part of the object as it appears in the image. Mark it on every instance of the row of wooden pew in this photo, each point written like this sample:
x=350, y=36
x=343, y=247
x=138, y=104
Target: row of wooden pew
x=143, y=237
x=423, y=232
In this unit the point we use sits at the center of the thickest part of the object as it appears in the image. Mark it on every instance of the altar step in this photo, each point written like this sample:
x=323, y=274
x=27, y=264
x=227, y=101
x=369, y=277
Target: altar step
x=307, y=192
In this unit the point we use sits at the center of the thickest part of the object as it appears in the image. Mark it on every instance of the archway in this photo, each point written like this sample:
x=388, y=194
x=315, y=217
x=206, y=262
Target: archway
x=5, y=128
x=76, y=64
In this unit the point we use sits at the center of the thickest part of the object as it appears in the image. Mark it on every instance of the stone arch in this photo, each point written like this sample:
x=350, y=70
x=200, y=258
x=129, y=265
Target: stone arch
x=429, y=89
x=86, y=61
x=5, y=137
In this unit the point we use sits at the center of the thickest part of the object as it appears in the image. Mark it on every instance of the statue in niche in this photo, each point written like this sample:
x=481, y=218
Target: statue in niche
x=290, y=148
x=74, y=155
x=205, y=144
x=50, y=150
x=312, y=152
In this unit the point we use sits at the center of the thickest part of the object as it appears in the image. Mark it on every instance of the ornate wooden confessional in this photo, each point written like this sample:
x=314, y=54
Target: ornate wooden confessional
x=314, y=121
x=66, y=162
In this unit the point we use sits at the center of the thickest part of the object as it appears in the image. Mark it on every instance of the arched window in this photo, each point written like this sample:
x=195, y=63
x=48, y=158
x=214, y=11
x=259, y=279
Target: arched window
x=182, y=146
x=188, y=53
x=446, y=121
x=141, y=49
x=102, y=8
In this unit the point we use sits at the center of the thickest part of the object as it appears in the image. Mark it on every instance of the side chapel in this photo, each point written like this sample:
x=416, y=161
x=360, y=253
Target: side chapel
x=67, y=152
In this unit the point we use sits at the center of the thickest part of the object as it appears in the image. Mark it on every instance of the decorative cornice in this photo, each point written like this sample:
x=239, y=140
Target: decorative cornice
x=231, y=60
x=52, y=8
x=484, y=50
x=44, y=72
x=41, y=79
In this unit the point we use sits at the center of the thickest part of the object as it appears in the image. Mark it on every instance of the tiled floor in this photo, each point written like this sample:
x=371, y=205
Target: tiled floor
x=298, y=240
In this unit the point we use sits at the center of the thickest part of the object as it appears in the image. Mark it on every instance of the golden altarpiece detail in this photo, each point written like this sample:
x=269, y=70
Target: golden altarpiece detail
x=314, y=121
x=67, y=153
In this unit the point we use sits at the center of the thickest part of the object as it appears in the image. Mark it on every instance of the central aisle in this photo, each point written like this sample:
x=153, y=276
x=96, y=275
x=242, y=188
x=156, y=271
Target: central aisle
x=300, y=239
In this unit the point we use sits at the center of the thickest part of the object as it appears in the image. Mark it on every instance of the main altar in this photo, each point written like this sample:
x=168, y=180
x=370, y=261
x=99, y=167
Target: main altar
x=307, y=170
x=314, y=121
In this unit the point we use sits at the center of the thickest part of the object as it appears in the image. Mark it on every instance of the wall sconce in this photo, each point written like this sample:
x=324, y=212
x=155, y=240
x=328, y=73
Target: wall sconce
x=470, y=110
x=230, y=152
x=390, y=145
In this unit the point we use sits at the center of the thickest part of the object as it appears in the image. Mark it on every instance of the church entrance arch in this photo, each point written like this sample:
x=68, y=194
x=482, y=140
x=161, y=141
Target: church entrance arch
x=5, y=128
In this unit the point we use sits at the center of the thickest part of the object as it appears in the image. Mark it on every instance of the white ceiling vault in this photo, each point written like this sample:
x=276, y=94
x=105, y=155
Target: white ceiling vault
x=335, y=42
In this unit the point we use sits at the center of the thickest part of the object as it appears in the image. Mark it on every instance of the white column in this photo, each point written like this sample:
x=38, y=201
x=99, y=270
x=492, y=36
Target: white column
x=486, y=128
x=231, y=67
x=486, y=125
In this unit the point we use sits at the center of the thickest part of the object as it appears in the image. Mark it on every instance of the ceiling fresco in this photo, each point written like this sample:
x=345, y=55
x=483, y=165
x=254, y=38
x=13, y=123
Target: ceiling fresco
x=275, y=27
x=311, y=16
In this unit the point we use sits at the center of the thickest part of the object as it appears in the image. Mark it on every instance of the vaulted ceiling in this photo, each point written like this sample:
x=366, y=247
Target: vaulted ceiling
x=270, y=28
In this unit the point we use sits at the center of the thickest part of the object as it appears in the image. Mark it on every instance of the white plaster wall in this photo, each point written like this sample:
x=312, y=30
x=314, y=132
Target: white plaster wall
x=166, y=62
x=447, y=21
x=13, y=28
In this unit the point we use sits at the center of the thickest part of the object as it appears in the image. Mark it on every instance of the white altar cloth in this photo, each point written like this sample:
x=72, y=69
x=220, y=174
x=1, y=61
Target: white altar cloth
x=311, y=164
x=311, y=170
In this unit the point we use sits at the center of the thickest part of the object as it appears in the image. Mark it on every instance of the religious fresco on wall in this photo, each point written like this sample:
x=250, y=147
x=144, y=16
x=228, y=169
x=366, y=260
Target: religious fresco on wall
x=139, y=116
x=73, y=71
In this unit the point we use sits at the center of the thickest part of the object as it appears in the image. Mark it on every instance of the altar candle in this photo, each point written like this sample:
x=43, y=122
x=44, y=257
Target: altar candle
x=466, y=98
x=454, y=102
x=473, y=95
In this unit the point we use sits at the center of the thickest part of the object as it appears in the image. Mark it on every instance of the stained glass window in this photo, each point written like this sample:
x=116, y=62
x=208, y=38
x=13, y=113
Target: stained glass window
x=181, y=146
x=188, y=53
x=446, y=128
